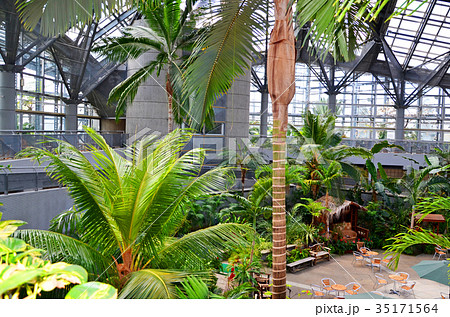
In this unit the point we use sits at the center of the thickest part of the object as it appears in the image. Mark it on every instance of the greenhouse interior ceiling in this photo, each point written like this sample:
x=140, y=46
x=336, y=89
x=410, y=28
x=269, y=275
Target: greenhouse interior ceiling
x=396, y=88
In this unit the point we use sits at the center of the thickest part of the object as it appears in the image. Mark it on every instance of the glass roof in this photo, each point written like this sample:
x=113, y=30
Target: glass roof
x=420, y=37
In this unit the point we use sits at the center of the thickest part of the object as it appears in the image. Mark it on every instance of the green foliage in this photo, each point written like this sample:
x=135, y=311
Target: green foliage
x=384, y=222
x=24, y=274
x=297, y=254
x=222, y=55
x=68, y=223
x=404, y=240
x=200, y=214
x=341, y=246
x=169, y=30
x=132, y=207
x=92, y=290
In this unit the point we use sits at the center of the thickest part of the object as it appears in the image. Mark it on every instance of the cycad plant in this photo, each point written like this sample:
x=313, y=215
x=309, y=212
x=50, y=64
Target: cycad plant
x=133, y=204
x=169, y=31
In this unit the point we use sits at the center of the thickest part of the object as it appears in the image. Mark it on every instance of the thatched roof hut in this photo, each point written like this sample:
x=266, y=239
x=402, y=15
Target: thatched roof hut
x=340, y=211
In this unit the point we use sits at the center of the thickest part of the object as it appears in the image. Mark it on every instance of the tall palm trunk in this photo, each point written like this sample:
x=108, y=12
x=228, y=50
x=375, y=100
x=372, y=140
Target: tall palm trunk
x=169, y=91
x=281, y=77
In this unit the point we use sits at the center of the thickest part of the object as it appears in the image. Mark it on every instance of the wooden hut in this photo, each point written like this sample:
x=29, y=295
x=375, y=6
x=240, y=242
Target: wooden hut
x=342, y=216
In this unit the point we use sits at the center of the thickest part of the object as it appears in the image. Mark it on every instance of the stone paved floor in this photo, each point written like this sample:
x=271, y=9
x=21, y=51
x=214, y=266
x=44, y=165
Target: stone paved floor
x=342, y=271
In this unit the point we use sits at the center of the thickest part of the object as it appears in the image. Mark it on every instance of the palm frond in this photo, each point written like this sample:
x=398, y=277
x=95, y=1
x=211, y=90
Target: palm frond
x=152, y=284
x=331, y=30
x=59, y=247
x=127, y=90
x=225, y=53
x=136, y=41
x=86, y=186
x=404, y=240
x=196, y=249
x=57, y=16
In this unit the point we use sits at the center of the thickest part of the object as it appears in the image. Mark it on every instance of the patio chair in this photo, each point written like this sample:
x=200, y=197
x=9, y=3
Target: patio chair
x=376, y=262
x=439, y=252
x=380, y=281
x=377, y=293
x=327, y=282
x=405, y=277
x=352, y=288
x=357, y=257
x=387, y=260
x=317, y=291
x=408, y=289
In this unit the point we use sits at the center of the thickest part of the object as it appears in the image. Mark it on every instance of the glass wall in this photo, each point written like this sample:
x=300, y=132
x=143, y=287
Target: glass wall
x=40, y=92
x=364, y=108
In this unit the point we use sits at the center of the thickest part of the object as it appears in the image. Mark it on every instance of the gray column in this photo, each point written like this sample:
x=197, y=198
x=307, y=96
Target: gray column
x=7, y=100
x=71, y=121
x=332, y=102
x=238, y=104
x=264, y=113
x=400, y=124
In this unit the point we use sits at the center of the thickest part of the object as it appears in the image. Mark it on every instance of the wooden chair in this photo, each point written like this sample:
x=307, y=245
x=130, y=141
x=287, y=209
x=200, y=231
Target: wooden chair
x=380, y=281
x=317, y=291
x=357, y=257
x=327, y=282
x=318, y=251
x=352, y=288
x=408, y=289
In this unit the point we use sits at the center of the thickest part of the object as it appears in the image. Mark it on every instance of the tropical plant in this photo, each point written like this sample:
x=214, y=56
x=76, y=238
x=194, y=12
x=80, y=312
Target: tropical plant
x=251, y=208
x=318, y=144
x=170, y=30
x=133, y=205
x=245, y=158
x=24, y=274
x=404, y=240
x=376, y=184
x=92, y=290
x=53, y=21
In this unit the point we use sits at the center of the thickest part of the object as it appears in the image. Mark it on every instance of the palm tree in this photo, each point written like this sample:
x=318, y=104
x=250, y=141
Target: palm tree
x=227, y=49
x=417, y=182
x=318, y=142
x=384, y=183
x=57, y=16
x=328, y=175
x=404, y=240
x=170, y=30
x=133, y=204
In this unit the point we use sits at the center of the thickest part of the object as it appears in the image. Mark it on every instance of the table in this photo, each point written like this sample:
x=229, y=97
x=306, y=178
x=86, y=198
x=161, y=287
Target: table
x=396, y=278
x=372, y=253
x=339, y=287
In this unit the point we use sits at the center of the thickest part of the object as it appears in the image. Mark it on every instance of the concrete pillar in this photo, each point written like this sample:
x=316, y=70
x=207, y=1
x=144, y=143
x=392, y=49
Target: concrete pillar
x=7, y=100
x=264, y=113
x=332, y=102
x=71, y=121
x=238, y=104
x=149, y=110
x=400, y=124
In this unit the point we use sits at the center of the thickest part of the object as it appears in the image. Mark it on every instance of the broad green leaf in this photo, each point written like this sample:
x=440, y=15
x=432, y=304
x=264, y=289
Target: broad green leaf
x=92, y=290
x=12, y=245
x=17, y=278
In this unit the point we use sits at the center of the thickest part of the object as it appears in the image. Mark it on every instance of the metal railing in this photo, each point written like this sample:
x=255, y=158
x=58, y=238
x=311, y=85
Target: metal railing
x=11, y=144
